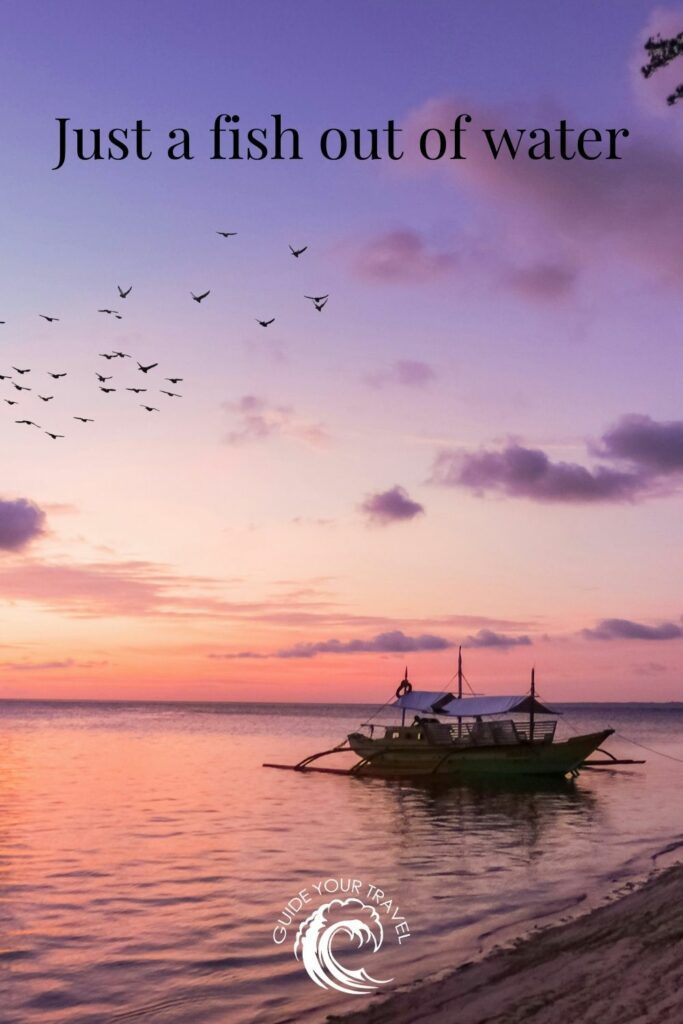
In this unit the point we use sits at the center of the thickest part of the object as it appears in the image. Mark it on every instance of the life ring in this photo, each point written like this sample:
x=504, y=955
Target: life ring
x=404, y=687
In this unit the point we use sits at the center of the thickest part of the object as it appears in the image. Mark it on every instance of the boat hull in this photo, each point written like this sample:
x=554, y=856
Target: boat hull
x=393, y=759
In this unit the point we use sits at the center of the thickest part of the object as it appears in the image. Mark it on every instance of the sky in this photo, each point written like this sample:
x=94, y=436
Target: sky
x=479, y=439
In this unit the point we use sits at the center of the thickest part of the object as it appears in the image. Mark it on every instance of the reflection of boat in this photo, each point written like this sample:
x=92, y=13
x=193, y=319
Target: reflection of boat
x=453, y=737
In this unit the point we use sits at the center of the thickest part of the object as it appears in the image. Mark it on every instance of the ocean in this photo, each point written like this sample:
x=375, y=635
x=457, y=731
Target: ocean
x=147, y=859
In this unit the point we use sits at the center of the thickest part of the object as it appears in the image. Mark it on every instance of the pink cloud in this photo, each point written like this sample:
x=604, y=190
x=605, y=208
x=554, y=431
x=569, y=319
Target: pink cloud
x=259, y=421
x=402, y=257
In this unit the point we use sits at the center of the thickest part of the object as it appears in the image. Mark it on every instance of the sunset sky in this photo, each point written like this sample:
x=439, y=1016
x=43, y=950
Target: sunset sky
x=479, y=440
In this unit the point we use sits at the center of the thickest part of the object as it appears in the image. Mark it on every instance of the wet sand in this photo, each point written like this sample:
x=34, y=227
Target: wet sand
x=619, y=964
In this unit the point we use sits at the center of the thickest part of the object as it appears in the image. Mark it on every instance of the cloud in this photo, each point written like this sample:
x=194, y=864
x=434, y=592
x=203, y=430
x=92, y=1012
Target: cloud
x=409, y=373
x=653, y=446
x=402, y=257
x=50, y=666
x=392, y=642
x=487, y=638
x=21, y=521
x=392, y=506
x=628, y=209
x=138, y=588
x=543, y=282
x=520, y=472
x=653, y=452
x=625, y=629
x=650, y=668
x=259, y=421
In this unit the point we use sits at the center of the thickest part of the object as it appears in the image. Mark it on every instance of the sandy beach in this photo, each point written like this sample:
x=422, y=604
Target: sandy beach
x=620, y=964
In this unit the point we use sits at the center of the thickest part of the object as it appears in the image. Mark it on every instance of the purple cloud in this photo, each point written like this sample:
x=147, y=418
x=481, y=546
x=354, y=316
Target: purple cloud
x=633, y=205
x=259, y=421
x=543, y=282
x=50, y=666
x=528, y=473
x=400, y=257
x=644, y=442
x=487, y=638
x=21, y=521
x=652, y=450
x=393, y=642
x=409, y=373
x=390, y=506
x=625, y=629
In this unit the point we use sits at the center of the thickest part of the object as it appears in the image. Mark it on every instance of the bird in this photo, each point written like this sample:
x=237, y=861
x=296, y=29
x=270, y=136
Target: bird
x=10, y=401
x=19, y=387
x=127, y=292
x=53, y=436
x=107, y=391
x=173, y=380
x=16, y=368
x=198, y=298
x=107, y=355
x=146, y=369
x=55, y=376
x=29, y=423
x=3, y=321
x=101, y=379
x=298, y=252
x=137, y=391
x=46, y=398
x=114, y=311
x=83, y=419
x=316, y=298
x=50, y=319
x=6, y=376
x=171, y=394
x=265, y=323
x=121, y=355
x=320, y=305
x=226, y=234
x=149, y=408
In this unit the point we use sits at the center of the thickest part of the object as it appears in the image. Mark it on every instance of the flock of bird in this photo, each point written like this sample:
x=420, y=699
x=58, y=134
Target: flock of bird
x=319, y=302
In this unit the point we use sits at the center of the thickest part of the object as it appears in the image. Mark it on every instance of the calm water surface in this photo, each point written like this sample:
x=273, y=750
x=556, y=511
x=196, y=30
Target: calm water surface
x=145, y=856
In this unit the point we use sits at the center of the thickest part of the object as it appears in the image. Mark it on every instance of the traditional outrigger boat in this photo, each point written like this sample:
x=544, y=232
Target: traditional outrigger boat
x=452, y=737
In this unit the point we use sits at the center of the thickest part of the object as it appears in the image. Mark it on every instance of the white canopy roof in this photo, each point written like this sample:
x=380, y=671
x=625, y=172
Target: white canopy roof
x=431, y=702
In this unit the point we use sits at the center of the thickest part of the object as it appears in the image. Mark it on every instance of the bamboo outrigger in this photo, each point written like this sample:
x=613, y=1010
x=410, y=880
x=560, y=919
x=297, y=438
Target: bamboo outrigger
x=493, y=737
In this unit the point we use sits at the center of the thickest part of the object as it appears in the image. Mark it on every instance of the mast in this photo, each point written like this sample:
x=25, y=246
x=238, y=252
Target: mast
x=531, y=709
x=459, y=688
x=459, y=671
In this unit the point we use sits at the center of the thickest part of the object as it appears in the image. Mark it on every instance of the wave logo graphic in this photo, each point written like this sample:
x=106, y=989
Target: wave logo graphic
x=314, y=939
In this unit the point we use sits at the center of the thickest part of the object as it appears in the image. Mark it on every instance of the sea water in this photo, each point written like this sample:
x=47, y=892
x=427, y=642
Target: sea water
x=146, y=857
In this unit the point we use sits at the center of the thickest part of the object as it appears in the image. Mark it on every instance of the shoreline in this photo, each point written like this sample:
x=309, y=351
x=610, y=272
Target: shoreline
x=619, y=962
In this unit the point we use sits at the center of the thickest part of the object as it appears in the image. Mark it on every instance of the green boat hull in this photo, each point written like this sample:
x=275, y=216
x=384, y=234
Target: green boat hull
x=395, y=759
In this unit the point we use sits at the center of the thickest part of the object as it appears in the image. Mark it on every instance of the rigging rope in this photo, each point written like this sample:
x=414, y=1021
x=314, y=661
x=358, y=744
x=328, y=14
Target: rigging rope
x=652, y=750
x=636, y=743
